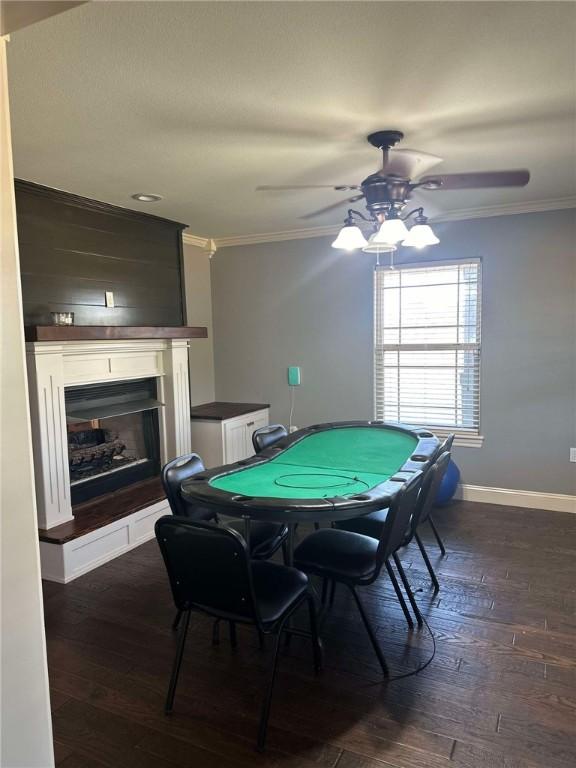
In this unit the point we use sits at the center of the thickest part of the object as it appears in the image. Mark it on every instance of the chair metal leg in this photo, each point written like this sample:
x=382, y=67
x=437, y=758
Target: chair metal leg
x=427, y=562
x=371, y=635
x=408, y=590
x=216, y=632
x=263, y=728
x=316, y=643
x=177, y=663
x=176, y=621
x=437, y=535
x=233, y=636
x=399, y=595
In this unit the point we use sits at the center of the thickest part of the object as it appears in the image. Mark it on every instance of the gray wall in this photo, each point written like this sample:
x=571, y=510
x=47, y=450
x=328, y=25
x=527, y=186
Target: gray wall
x=303, y=303
x=196, y=269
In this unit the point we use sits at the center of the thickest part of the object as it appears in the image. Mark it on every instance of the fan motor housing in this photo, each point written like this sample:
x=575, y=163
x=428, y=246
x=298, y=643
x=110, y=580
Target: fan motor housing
x=383, y=193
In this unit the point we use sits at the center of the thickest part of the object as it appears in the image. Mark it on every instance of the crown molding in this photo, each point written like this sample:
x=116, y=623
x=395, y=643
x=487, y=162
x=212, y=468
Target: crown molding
x=190, y=239
x=206, y=243
x=274, y=237
x=510, y=209
x=464, y=214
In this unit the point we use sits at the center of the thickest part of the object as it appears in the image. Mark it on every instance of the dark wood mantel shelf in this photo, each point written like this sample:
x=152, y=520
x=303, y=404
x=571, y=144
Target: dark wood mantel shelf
x=112, y=332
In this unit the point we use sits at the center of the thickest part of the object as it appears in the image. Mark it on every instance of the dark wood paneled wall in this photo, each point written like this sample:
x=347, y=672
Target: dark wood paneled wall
x=73, y=250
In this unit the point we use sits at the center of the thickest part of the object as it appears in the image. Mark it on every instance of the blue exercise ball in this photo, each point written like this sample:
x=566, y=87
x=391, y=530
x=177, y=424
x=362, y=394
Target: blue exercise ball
x=448, y=485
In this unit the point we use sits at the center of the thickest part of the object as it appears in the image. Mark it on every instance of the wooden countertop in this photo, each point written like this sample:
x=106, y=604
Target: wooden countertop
x=220, y=411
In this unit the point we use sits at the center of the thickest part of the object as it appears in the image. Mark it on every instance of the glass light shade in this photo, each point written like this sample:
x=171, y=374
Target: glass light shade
x=420, y=236
x=391, y=231
x=374, y=246
x=350, y=238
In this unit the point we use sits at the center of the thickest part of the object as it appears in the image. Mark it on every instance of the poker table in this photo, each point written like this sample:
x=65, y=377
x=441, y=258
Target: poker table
x=324, y=472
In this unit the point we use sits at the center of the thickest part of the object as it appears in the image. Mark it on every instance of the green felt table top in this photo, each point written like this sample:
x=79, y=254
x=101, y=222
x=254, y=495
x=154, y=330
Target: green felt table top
x=341, y=461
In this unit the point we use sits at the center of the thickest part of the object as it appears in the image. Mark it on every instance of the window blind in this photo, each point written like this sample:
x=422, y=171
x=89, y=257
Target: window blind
x=427, y=345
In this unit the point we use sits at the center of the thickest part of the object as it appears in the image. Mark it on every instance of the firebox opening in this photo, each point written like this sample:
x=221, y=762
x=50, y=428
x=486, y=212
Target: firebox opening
x=113, y=436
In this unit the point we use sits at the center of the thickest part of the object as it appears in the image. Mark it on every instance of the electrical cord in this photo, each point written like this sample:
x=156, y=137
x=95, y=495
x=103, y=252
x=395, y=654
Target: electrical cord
x=423, y=666
x=292, y=401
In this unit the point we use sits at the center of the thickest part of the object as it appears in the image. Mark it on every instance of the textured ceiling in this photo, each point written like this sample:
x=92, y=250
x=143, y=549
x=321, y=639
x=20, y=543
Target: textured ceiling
x=201, y=102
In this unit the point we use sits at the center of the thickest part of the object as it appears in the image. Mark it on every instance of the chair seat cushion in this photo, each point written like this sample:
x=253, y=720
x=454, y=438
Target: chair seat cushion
x=333, y=553
x=265, y=538
x=277, y=588
x=368, y=525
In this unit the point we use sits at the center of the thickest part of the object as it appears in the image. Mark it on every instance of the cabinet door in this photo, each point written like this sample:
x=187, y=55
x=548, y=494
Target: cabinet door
x=254, y=422
x=235, y=446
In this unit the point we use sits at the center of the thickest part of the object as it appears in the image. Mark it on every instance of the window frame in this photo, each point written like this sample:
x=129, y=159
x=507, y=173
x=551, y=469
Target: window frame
x=468, y=437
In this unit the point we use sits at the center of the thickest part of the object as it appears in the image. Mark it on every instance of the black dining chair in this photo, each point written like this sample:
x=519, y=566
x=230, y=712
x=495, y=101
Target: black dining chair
x=445, y=447
x=265, y=437
x=371, y=525
x=356, y=560
x=210, y=571
x=173, y=474
x=430, y=488
x=265, y=538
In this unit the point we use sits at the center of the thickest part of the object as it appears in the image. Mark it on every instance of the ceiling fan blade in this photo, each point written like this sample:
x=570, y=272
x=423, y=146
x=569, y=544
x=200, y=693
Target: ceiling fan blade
x=408, y=163
x=516, y=178
x=339, y=188
x=331, y=207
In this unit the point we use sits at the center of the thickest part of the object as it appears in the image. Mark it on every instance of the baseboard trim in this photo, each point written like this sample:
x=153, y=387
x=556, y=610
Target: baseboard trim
x=553, y=502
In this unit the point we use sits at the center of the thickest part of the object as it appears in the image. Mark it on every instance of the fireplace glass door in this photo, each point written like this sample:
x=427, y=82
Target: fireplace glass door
x=113, y=436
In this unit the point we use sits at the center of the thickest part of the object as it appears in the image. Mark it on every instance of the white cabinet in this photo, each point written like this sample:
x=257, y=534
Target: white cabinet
x=222, y=432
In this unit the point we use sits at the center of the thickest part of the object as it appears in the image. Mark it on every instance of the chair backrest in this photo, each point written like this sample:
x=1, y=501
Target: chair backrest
x=436, y=472
x=398, y=519
x=266, y=436
x=208, y=567
x=446, y=445
x=173, y=474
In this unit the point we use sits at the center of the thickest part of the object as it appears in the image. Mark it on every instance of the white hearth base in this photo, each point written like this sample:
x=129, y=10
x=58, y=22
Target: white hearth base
x=65, y=562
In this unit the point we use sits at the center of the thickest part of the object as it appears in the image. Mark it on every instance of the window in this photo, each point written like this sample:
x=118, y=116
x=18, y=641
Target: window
x=427, y=347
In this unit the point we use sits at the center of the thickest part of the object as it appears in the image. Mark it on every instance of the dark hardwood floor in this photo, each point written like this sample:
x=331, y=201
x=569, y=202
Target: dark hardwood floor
x=500, y=692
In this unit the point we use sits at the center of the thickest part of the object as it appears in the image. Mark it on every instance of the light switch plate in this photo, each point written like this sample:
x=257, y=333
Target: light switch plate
x=109, y=298
x=572, y=454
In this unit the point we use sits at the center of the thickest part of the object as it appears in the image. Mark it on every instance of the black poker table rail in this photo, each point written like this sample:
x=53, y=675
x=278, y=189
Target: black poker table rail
x=199, y=491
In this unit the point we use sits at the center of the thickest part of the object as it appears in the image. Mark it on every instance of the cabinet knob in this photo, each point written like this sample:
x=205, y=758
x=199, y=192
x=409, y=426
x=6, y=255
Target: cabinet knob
x=250, y=424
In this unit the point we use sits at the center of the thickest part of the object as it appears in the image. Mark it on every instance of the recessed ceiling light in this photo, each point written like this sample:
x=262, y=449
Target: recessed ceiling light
x=146, y=198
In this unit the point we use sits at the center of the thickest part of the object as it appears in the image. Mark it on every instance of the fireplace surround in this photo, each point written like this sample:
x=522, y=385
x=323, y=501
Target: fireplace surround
x=81, y=391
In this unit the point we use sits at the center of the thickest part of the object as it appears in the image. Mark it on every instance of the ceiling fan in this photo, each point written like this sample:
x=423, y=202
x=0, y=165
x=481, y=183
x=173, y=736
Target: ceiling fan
x=387, y=191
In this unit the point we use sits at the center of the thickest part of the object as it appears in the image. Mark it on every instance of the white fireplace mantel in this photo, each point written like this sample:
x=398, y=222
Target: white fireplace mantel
x=53, y=366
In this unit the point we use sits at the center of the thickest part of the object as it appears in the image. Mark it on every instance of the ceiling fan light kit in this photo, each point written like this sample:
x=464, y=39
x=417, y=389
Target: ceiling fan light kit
x=377, y=247
x=350, y=238
x=387, y=192
x=391, y=231
x=421, y=233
